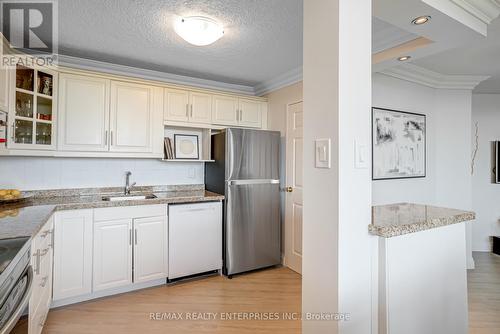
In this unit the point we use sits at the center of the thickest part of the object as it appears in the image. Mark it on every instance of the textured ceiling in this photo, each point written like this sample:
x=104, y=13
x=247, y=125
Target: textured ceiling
x=263, y=39
x=481, y=57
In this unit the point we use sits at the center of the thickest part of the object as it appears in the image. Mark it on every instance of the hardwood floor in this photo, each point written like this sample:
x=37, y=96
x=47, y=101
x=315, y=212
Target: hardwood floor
x=484, y=294
x=273, y=290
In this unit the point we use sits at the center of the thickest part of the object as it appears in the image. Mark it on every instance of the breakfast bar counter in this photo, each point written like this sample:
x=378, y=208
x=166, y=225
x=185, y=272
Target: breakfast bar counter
x=422, y=275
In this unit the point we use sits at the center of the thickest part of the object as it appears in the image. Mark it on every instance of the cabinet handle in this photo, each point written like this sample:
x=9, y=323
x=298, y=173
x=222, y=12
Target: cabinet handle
x=106, y=138
x=187, y=110
x=51, y=244
x=13, y=136
x=191, y=111
x=135, y=239
x=44, y=281
x=44, y=252
x=130, y=237
x=37, y=262
x=111, y=138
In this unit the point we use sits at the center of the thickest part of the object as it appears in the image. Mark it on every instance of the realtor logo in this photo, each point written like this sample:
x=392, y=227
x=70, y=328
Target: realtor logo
x=29, y=27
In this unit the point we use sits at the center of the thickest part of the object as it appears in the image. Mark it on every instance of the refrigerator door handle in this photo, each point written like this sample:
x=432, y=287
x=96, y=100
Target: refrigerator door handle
x=253, y=181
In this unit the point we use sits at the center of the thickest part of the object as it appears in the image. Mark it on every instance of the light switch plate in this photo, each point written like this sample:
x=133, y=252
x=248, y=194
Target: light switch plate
x=323, y=153
x=361, y=155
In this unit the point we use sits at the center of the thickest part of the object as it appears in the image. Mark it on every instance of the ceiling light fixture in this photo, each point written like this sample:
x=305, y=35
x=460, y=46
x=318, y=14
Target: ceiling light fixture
x=404, y=58
x=198, y=30
x=421, y=20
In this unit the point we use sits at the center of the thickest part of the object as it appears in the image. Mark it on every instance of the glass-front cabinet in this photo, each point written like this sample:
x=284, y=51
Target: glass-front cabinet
x=32, y=113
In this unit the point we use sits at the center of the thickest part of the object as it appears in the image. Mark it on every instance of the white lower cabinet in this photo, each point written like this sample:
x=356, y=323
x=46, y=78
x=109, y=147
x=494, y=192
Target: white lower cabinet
x=72, y=254
x=150, y=249
x=112, y=254
x=195, y=239
x=41, y=262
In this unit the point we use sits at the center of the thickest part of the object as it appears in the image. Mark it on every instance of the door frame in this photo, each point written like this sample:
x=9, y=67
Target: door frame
x=285, y=174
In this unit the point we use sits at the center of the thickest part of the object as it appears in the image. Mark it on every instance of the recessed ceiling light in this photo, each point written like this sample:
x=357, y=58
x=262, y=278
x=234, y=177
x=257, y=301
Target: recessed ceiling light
x=421, y=20
x=198, y=30
x=404, y=58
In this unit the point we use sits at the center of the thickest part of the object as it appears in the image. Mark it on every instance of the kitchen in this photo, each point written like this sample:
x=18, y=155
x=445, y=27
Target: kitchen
x=222, y=167
x=115, y=179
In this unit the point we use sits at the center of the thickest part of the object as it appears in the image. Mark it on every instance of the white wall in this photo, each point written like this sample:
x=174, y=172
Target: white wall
x=392, y=93
x=336, y=265
x=485, y=194
x=32, y=173
x=448, y=179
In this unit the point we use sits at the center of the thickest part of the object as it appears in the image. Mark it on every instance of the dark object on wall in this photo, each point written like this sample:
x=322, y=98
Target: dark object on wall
x=496, y=245
x=496, y=162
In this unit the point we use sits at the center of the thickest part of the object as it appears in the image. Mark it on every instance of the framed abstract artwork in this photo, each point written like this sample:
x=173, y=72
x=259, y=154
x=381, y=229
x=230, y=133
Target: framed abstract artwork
x=186, y=146
x=398, y=144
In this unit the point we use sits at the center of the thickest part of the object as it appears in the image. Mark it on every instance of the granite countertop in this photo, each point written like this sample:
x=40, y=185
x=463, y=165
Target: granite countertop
x=402, y=218
x=24, y=219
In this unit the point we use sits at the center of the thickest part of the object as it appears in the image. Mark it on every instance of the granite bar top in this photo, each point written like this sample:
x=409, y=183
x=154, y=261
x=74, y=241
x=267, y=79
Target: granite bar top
x=402, y=218
x=25, y=219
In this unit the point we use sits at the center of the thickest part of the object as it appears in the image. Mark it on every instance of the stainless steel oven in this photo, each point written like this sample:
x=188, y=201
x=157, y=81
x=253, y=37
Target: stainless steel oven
x=16, y=280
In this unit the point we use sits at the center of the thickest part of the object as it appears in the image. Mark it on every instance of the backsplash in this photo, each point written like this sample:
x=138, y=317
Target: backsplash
x=34, y=173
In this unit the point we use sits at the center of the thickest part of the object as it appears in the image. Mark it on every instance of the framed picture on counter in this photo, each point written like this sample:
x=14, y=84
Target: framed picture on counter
x=398, y=144
x=186, y=147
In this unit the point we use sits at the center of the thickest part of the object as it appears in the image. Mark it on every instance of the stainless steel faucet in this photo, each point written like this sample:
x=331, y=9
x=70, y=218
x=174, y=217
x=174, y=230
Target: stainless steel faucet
x=128, y=186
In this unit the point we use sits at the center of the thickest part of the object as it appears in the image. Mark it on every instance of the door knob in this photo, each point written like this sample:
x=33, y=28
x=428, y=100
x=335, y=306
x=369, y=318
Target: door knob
x=288, y=189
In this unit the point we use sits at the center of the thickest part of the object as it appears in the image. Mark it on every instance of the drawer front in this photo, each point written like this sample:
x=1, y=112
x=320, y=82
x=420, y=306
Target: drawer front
x=127, y=212
x=44, y=237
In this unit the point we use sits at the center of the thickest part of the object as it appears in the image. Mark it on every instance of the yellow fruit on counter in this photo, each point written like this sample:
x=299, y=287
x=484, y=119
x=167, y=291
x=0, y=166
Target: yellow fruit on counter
x=3, y=214
x=3, y=192
x=7, y=197
x=15, y=192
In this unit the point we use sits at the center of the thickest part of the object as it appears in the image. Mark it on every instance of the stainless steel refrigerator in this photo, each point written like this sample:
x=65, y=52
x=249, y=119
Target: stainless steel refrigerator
x=246, y=171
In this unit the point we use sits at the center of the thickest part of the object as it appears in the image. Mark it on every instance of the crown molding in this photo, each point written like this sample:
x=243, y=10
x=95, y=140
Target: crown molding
x=484, y=10
x=283, y=80
x=98, y=66
x=425, y=77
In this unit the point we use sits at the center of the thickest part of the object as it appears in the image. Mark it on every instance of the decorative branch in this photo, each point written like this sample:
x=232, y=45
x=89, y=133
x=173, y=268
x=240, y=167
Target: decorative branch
x=476, y=146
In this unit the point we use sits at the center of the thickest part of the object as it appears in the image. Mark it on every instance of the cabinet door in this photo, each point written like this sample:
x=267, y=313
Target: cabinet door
x=4, y=89
x=131, y=117
x=83, y=113
x=72, y=254
x=150, y=249
x=195, y=239
x=176, y=105
x=112, y=254
x=200, y=108
x=224, y=110
x=250, y=113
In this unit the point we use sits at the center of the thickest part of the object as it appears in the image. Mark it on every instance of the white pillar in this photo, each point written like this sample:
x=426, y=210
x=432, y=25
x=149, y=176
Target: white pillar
x=337, y=201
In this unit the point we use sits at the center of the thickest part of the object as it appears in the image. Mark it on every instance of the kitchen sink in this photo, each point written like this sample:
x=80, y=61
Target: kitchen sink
x=128, y=197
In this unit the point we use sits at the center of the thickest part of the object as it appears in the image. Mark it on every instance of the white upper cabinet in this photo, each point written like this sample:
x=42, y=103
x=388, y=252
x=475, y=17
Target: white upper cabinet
x=176, y=105
x=225, y=110
x=201, y=107
x=187, y=106
x=150, y=249
x=4, y=89
x=131, y=121
x=237, y=112
x=250, y=113
x=83, y=113
x=112, y=254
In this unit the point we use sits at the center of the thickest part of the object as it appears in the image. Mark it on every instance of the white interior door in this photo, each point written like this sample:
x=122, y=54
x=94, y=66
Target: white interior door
x=112, y=254
x=150, y=249
x=294, y=184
